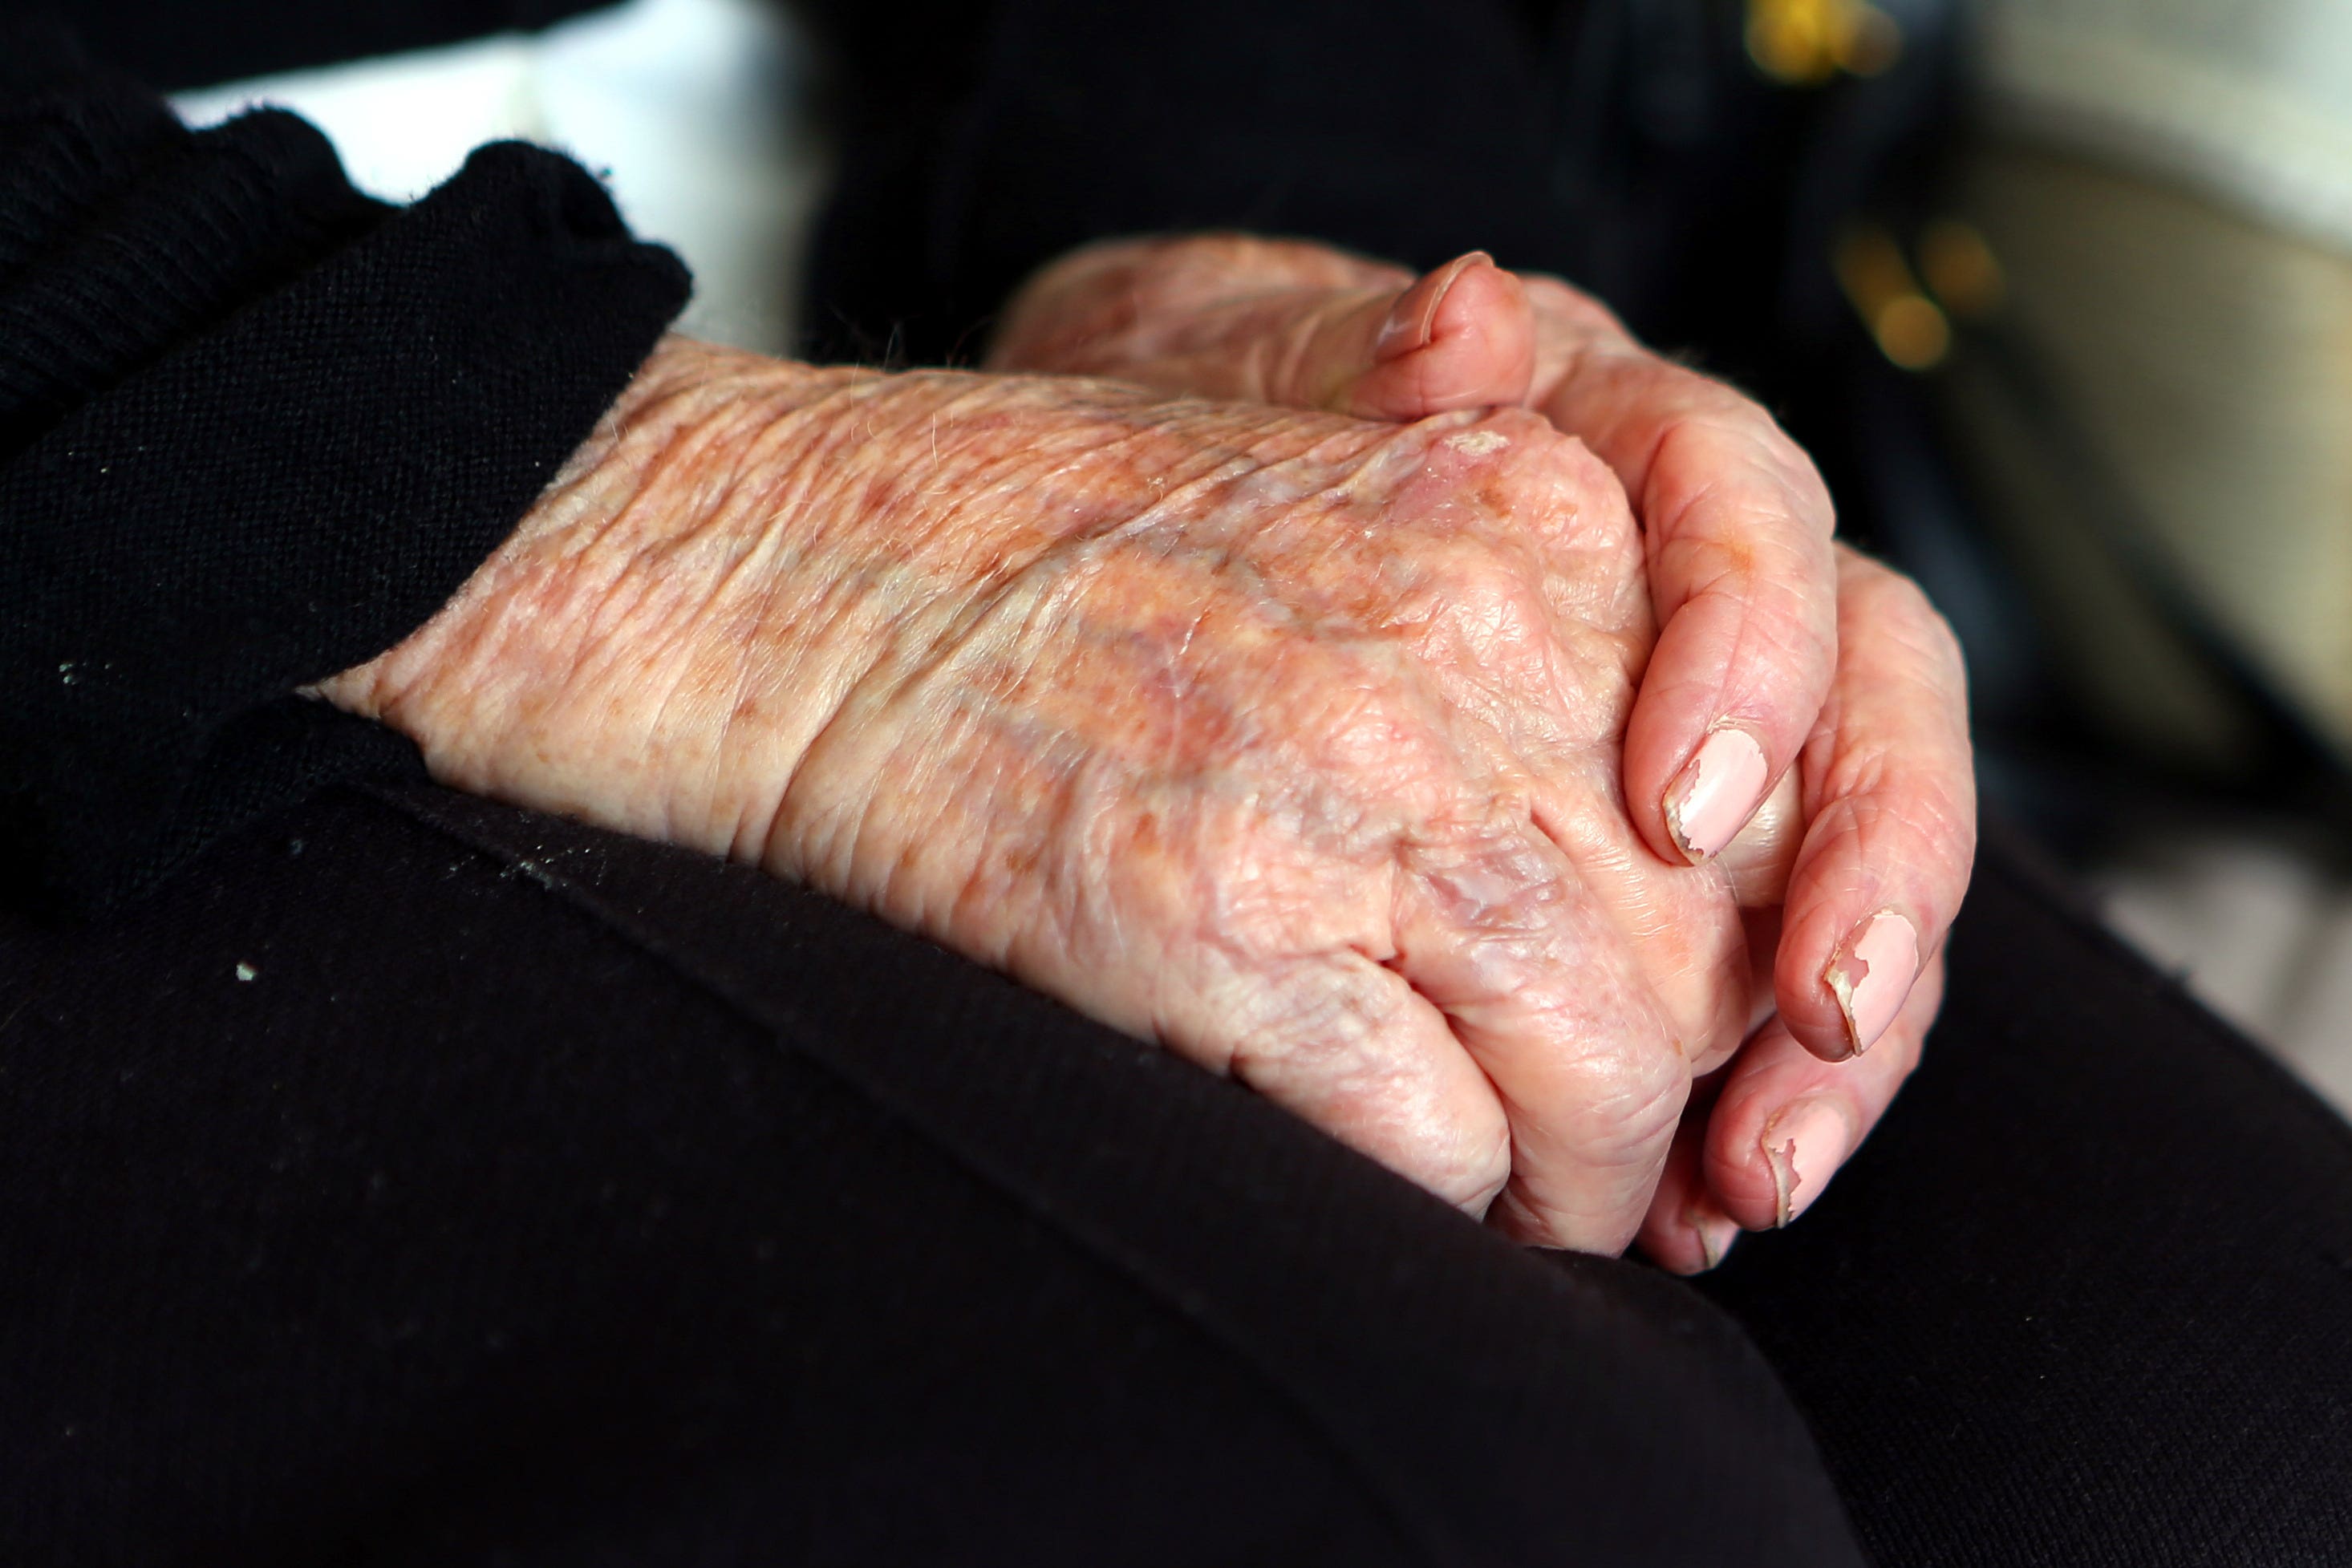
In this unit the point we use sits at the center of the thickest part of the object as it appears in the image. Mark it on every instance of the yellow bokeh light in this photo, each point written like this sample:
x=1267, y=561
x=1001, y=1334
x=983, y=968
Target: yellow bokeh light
x=1804, y=43
x=1962, y=270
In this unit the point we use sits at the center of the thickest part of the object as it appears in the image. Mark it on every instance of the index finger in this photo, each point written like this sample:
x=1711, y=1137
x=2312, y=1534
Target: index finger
x=1737, y=526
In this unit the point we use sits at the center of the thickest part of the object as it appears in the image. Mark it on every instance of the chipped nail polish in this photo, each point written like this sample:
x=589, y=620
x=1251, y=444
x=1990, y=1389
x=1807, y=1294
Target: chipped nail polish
x=1718, y=790
x=1873, y=975
x=1715, y=1231
x=1804, y=1143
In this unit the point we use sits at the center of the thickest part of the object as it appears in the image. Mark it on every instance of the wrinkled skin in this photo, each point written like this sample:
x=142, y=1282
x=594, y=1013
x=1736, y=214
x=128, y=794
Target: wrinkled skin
x=1854, y=863
x=1291, y=740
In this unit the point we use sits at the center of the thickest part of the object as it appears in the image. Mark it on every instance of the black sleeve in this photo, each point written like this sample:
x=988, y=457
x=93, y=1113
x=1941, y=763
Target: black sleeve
x=254, y=428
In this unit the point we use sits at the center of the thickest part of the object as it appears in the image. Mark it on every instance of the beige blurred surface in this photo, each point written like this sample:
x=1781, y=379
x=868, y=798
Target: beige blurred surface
x=2245, y=102
x=2168, y=187
x=2206, y=363
x=2258, y=930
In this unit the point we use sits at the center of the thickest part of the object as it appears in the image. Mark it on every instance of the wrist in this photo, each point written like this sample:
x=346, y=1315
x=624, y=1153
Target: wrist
x=559, y=676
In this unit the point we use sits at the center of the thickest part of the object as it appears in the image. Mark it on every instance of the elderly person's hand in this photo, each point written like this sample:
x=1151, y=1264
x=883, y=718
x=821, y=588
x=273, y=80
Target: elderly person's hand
x=1285, y=738
x=1788, y=670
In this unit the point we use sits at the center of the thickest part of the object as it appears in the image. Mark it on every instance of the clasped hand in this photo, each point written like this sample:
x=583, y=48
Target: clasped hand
x=1371, y=750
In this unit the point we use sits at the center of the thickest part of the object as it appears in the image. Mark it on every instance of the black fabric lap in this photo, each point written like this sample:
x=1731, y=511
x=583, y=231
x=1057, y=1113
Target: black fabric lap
x=361, y=1203
x=1476, y=1385
x=2085, y=1296
x=501, y=1190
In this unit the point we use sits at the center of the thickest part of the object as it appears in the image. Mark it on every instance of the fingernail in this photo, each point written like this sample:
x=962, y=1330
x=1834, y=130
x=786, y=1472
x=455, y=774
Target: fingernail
x=1716, y=792
x=1412, y=319
x=1804, y=1143
x=1873, y=974
x=1717, y=1231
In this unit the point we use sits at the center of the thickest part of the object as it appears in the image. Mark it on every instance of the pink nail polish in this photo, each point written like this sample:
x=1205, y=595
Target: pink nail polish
x=1716, y=1230
x=1873, y=975
x=1804, y=1143
x=1718, y=792
x=1412, y=319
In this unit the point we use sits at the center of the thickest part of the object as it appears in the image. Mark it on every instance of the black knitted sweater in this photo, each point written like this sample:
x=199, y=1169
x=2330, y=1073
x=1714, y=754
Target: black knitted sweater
x=254, y=428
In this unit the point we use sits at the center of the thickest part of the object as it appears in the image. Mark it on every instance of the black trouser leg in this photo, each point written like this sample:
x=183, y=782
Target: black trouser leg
x=2085, y=1296
x=430, y=1183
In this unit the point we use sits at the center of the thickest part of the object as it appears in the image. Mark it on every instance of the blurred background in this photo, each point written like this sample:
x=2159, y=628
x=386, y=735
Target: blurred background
x=2058, y=291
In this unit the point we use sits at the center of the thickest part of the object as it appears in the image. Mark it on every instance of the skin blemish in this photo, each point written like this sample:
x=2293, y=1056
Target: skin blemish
x=1477, y=442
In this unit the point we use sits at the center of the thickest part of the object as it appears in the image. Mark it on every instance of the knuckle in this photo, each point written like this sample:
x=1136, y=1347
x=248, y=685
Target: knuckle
x=1775, y=636
x=1534, y=485
x=1377, y=738
x=1889, y=592
x=1624, y=1096
x=1941, y=646
x=1895, y=598
x=1730, y=561
x=1494, y=600
x=1475, y=1167
x=1310, y=1030
x=1570, y=305
x=1734, y=418
x=1340, y=1046
x=1911, y=821
x=1898, y=611
x=1339, y=1035
x=1726, y=410
x=1749, y=484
